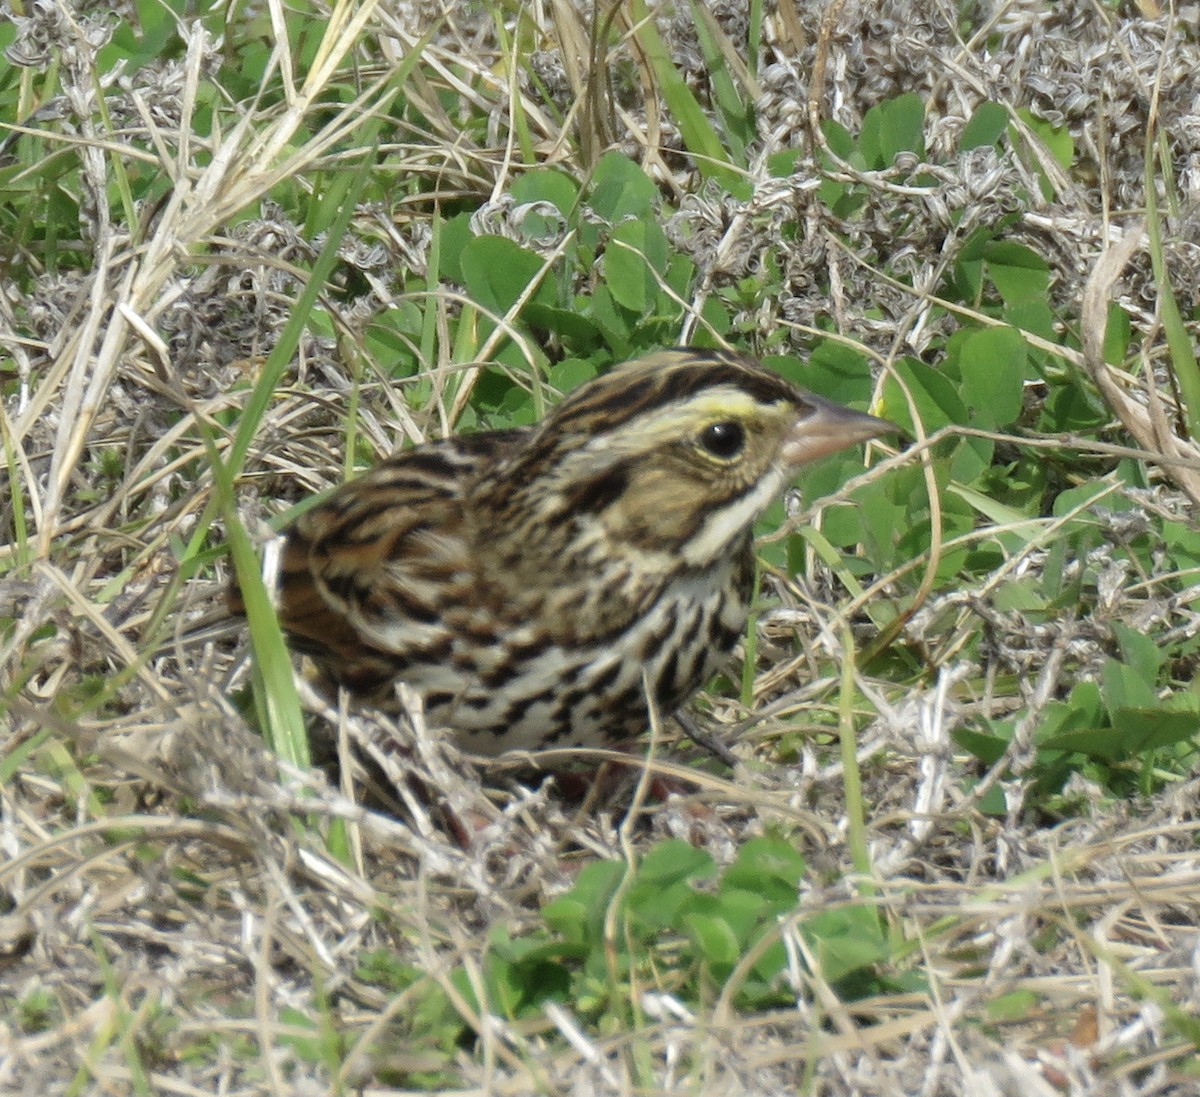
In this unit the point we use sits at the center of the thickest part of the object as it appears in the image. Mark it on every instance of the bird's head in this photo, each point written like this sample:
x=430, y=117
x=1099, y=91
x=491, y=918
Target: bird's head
x=671, y=455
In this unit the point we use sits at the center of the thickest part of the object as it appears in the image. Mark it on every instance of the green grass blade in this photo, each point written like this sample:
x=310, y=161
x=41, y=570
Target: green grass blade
x=735, y=108
x=275, y=689
x=1179, y=343
x=699, y=136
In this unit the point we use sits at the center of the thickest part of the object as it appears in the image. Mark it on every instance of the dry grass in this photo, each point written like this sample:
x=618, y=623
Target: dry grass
x=175, y=921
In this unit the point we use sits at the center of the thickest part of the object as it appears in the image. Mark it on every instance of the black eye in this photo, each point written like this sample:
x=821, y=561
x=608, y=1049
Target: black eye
x=724, y=439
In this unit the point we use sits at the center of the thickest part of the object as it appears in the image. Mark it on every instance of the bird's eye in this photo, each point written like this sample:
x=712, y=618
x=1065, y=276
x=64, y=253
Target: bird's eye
x=724, y=439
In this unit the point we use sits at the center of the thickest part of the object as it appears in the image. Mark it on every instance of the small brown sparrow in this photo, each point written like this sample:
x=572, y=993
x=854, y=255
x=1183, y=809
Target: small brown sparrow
x=530, y=584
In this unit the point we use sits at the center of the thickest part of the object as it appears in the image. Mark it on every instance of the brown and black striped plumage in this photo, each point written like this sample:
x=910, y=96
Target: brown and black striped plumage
x=523, y=581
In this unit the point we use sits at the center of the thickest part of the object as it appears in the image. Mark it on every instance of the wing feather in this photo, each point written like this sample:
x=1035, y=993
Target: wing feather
x=366, y=576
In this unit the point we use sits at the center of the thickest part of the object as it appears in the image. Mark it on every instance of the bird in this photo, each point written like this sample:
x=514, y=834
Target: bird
x=535, y=585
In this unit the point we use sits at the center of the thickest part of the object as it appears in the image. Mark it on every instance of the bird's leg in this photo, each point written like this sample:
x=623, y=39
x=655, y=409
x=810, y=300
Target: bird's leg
x=703, y=739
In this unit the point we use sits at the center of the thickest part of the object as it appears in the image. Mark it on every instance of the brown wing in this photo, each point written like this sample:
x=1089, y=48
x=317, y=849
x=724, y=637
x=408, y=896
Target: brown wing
x=364, y=575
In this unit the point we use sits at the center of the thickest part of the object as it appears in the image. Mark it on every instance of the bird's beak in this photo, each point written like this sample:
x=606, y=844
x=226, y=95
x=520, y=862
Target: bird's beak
x=825, y=427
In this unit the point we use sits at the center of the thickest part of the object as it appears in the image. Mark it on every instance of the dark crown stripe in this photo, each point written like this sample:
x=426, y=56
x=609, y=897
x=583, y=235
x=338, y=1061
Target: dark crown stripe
x=609, y=405
x=614, y=404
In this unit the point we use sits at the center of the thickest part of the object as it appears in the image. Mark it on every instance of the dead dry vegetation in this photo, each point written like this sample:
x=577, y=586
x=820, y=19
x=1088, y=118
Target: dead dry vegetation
x=185, y=913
